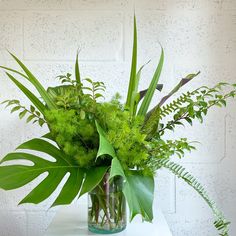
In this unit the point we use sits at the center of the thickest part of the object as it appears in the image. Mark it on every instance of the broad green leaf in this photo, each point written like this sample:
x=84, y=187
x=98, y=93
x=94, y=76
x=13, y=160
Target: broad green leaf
x=105, y=148
x=29, y=94
x=71, y=188
x=148, y=96
x=31, y=78
x=17, y=175
x=133, y=68
x=138, y=190
x=93, y=178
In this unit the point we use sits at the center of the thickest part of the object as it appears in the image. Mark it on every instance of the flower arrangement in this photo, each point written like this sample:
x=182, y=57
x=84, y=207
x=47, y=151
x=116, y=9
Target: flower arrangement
x=102, y=143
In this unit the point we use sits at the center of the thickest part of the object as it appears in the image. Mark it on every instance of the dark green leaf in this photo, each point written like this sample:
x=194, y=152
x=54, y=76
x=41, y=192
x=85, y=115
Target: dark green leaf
x=41, y=122
x=32, y=109
x=15, y=109
x=31, y=117
x=22, y=114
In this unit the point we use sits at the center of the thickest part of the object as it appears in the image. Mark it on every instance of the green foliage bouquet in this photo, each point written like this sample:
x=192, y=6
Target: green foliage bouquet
x=89, y=138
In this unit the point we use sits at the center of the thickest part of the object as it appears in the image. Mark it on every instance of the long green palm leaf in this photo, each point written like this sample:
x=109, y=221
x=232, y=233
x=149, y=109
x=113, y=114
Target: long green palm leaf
x=133, y=68
x=28, y=93
x=148, y=96
x=30, y=77
x=77, y=71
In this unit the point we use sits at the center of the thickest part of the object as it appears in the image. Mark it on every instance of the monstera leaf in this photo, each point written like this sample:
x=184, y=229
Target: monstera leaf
x=17, y=175
x=138, y=189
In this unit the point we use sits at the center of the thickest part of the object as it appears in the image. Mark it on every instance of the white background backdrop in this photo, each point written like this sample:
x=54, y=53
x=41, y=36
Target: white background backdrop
x=196, y=35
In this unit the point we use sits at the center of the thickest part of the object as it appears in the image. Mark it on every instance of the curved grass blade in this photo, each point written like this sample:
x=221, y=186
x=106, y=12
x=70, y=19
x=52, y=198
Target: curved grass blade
x=30, y=77
x=15, y=71
x=40, y=106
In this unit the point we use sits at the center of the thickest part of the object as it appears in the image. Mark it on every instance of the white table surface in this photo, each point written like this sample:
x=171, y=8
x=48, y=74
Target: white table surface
x=72, y=220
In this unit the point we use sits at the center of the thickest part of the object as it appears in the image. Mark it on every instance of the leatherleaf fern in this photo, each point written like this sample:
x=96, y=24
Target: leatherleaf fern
x=89, y=137
x=220, y=223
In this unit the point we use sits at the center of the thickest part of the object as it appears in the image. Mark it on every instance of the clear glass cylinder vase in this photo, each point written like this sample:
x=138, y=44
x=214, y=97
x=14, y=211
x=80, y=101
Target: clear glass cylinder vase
x=107, y=207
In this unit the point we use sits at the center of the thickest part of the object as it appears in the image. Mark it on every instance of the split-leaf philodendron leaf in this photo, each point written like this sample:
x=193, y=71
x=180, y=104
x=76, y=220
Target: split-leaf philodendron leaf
x=18, y=175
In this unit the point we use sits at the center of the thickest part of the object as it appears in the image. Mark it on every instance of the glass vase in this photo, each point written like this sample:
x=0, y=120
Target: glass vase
x=107, y=207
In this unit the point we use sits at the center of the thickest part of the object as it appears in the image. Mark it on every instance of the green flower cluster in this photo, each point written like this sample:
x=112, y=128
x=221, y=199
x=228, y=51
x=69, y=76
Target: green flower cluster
x=77, y=137
x=124, y=135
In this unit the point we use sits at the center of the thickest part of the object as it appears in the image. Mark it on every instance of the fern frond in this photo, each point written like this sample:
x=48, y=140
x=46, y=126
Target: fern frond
x=176, y=104
x=221, y=224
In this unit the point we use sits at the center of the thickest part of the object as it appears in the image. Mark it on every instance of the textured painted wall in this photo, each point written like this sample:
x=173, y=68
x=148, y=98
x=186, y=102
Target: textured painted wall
x=196, y=35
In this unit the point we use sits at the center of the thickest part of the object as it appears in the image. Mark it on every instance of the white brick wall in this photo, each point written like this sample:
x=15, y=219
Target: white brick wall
x=196, y=35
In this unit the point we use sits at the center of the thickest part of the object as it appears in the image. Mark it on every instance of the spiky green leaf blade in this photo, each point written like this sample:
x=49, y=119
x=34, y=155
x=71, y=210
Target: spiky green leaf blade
x=135, y=95
x=29, y=94
x=32, y=79
x=133, y=67
x=15, y=71
x=77, y=71
x=148, y=96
